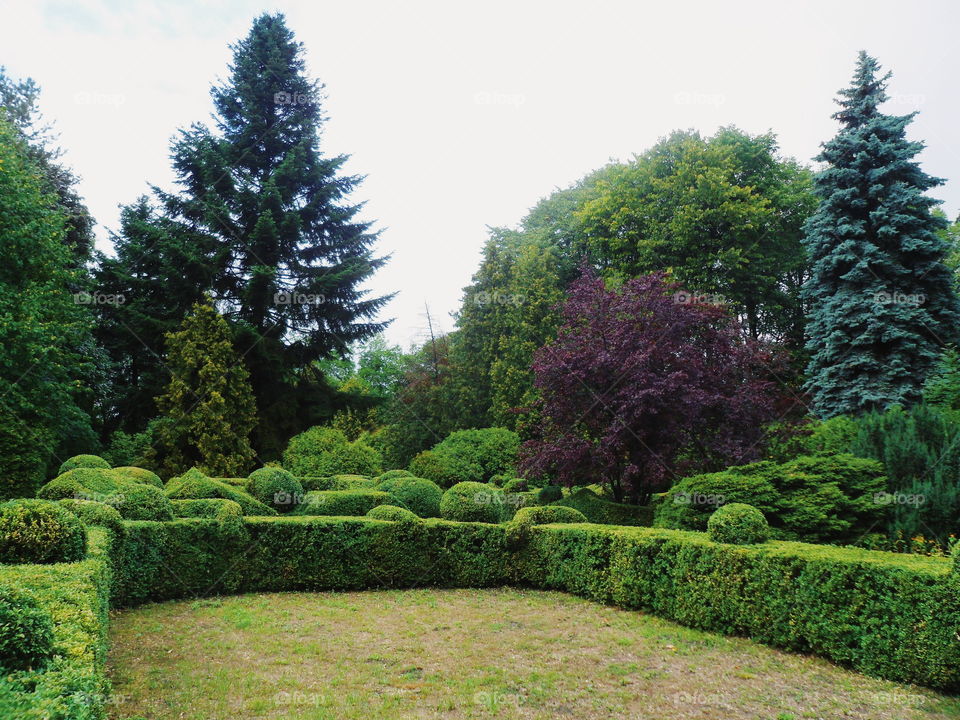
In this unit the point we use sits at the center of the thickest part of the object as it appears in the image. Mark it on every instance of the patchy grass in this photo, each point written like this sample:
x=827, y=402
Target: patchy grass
x=467, y=654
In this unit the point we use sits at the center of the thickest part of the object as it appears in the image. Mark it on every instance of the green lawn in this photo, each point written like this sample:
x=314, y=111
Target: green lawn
x=467, y=654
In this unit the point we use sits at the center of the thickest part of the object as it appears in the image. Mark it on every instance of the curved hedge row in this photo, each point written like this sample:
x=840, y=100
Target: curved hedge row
x=892, y=616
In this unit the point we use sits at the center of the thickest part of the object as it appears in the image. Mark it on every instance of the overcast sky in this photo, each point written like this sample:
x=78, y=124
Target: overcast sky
x=463, y=117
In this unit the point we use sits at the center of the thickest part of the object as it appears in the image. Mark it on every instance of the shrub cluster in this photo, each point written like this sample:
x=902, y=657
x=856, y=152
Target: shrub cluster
x=826, y=498
x=325, y=451
x=194, y=485
x=134, y=500
x=40, y=531
x=275, y=487
x=145, y=477
x=738, y=524
x=468, y=456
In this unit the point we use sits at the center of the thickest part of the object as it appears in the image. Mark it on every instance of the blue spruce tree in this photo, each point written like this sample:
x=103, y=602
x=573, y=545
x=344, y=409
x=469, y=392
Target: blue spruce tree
x=881, y=300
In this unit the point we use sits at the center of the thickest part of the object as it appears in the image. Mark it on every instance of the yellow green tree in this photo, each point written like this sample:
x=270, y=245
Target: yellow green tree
x=208, y=409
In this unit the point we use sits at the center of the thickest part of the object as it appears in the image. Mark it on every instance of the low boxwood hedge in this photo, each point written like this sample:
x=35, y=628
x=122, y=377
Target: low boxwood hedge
x=892, y=616
x=193, y=485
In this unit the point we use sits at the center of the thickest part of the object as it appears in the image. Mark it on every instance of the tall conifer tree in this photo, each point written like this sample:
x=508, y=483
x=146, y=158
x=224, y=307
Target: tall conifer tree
x=882, y=302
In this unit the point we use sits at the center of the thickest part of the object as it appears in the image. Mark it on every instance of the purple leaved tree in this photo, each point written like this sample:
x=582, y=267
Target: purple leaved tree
x=643, y=386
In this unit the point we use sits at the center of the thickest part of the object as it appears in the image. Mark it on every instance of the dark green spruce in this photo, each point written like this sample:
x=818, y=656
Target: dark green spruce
x=881, y=300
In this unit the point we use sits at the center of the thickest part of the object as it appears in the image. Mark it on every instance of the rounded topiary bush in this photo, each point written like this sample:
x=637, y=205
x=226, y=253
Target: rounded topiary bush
x=91, y=512
x=26, y=631
x=422, y=496
x=136, y=501
x=514, y=485
x=392, y=513
x=739, y=524
x=391, y=474
x=549, y=494
x=40, y=531
x=472, y=502
x=83, y=461
x=139, y=475
x=275, y=487
x=546, y=514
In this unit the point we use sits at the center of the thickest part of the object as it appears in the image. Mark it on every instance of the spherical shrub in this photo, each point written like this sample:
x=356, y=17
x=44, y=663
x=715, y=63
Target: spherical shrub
x=445, y=469
x=26, y=631
x=323, y=451
x=391, y=474
x=422, y=496
x=83, y=461
x=142, y=502
x=275, y=487
x=515, y=485
x=40, y=531
x=549, y=494
x=95, y=513
x=139, y=475
x=392, y=513
x=739, y=524
x=472, y=502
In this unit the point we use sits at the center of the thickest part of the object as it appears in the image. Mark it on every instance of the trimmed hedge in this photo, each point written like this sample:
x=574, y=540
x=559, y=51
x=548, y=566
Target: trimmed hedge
x=391, y=474
x=343, y=502
x=193, y=485
x=603, y=512
x=420, y=495
x=204, y=507
x=738, y=524
x=525, y=518
x=337, y=482
x=392, y=513
x=26, y=631
x=73, y=683
x=94, y=462
x=40, y=531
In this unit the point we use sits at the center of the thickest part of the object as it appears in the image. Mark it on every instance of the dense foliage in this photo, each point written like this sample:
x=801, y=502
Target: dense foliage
x=208, y=410
x=738, y=524
x=40, y=531
x=324, y=451
x=827, y=499
x=640, y=388
x=882, y=301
